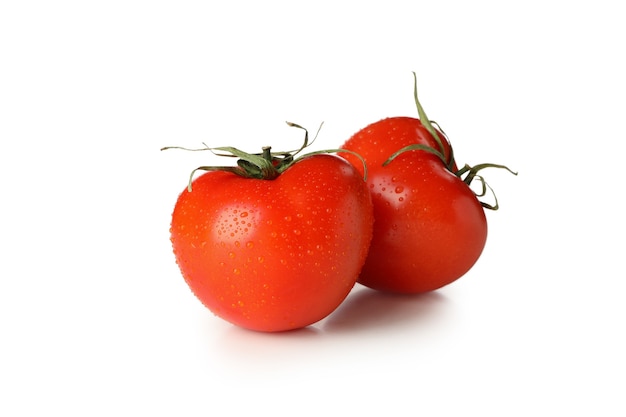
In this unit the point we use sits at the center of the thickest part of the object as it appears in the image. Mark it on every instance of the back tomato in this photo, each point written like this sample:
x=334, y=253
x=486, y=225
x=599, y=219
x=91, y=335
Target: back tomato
x=274, y=255
x=430, y=228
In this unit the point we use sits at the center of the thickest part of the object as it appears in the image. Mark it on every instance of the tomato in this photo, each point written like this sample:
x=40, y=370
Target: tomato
x=274, y=254
x=429, y=228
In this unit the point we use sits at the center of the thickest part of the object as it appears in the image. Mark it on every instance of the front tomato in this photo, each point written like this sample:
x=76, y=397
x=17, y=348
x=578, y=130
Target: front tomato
x=274, y=255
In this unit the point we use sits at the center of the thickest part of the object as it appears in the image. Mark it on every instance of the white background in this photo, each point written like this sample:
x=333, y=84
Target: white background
x=95, y=318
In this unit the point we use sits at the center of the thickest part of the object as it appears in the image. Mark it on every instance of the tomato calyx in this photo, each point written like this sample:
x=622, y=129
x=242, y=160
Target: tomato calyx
x=266, y=165
x=470, y=172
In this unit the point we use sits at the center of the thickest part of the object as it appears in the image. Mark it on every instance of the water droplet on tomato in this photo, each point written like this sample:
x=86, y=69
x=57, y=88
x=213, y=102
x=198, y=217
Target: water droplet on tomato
x=250, y=245
x=399, y=189
x=236, y=271
x=297, y=232
x=260, y=259
x=231, y=255
x=244, y=214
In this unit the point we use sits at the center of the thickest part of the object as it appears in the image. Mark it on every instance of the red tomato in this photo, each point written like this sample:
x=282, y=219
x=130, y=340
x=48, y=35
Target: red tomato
x=429, y=228
x=274, y=255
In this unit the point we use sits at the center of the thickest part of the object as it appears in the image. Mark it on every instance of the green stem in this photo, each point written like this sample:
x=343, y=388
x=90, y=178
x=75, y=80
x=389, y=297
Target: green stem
x=267, y=154
x=266, y=165
x=428, y=125
x=473, y=171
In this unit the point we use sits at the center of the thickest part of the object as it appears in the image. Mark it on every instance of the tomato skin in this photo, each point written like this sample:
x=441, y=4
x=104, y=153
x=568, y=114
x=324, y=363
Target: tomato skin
x=378, y=141
x=430, y=228
x=274, y=255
